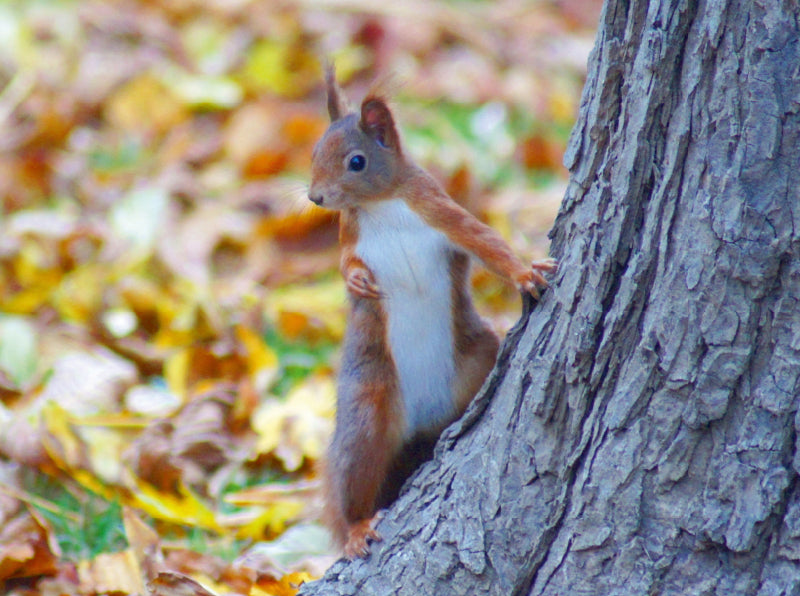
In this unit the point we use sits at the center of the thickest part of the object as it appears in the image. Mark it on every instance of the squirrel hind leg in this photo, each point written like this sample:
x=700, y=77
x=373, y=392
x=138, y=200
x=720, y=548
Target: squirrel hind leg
x=360, y=536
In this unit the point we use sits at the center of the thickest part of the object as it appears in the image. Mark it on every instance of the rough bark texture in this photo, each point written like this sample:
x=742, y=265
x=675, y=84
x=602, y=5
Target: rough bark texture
x=640, y=433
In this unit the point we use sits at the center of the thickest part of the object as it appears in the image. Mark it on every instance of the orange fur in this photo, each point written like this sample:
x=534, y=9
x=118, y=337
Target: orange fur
x=361, y=454
x=425, y=196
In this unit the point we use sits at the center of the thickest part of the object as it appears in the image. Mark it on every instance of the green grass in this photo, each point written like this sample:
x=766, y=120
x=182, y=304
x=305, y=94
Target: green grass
x=296, y=359
x=85, y=524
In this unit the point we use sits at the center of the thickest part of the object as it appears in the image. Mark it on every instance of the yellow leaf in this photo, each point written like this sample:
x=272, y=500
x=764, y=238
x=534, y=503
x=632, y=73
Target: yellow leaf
x=105, y=448
x=36, y=279
x=562, y=100
x=272, y=520
x=60, y=440
x=176, y=372
x=184, y=508
x=349, y=59
x=80, y=295
x=145, y=103
x=284, y=67
x=299, y=426
x=68, y=450
x=312, y=312
x=262, y=361
x=268, y=493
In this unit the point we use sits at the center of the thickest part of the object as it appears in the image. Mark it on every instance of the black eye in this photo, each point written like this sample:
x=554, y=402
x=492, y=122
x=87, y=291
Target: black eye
x=357, y=163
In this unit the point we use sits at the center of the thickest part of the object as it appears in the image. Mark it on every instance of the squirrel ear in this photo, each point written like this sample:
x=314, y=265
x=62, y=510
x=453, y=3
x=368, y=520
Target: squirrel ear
x=377, y=122
x=337, y=107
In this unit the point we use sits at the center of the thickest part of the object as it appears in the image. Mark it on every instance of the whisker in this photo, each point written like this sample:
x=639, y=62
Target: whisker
x=294, y=204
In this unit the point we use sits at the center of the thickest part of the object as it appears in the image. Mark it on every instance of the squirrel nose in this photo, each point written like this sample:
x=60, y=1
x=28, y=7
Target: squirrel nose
x=317, y=200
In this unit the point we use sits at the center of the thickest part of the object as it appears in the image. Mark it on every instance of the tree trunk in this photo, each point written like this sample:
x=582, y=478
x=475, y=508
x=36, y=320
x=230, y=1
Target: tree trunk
x=639, y=434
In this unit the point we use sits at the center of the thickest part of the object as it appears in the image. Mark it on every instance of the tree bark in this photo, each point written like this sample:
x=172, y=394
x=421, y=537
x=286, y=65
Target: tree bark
x=639, y=434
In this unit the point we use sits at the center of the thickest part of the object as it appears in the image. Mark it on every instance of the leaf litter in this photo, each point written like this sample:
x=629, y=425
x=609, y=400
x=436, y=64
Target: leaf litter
x=169, y=301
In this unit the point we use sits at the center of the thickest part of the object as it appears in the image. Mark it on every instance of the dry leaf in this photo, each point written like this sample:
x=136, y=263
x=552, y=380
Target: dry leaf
x=27, y=547
x=302, y=548
x=145, y=544
x=186, y=448
x=298, y=427
x=145, y=102
x=312, y=312
x=169, y=583
x=288, y=585
x=111, y=573
x=183, y=508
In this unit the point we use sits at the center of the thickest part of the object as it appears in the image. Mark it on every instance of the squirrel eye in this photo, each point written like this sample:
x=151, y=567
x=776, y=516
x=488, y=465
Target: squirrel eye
x=357, y=163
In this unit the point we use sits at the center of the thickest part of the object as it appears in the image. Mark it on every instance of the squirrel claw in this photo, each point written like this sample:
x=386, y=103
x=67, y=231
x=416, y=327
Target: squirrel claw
x=532, y=279
x=360, y=283
x=360, y=536
x=547, y=265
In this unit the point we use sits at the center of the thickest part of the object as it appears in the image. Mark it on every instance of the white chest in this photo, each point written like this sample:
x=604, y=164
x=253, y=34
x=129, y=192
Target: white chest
x=410, y=261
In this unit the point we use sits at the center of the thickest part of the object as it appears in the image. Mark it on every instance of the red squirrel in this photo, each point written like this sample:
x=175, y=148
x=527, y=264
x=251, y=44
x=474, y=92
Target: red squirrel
x=415, y=350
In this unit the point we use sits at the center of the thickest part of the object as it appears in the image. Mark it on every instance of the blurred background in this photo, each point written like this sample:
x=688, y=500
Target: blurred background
x=170, y=305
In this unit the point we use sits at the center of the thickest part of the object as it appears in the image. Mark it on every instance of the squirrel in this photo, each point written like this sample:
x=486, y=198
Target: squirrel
x=415, y=350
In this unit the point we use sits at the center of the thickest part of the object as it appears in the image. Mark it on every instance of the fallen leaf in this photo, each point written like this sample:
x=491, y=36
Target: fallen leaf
x=28, y=547
x=144, y=542
x=284, y=67
x=311, y=312
x=18, y=349
x=84, y=383
x=288, y=585
x=268, y=520
x=262, y=361
x=169, y=583
x=184, y=508
x=137, y=216
x=301, y=548
x=202, y=90
x=145, y=103
x=186, y=448
x=297, y=427
x=111, y=573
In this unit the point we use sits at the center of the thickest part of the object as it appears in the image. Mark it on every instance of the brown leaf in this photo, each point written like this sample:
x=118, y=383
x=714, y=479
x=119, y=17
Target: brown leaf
x=170, y=583
x=27, y=547
x=187, y=447
x=114, y=573
x=539, y=152
x=145, y=544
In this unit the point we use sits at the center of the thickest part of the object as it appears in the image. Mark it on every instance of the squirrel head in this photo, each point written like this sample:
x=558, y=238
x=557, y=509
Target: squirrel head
x=359, y=157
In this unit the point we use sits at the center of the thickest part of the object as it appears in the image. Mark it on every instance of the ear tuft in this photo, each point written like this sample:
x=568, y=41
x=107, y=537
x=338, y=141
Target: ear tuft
x=377, y=122
x=337, y=107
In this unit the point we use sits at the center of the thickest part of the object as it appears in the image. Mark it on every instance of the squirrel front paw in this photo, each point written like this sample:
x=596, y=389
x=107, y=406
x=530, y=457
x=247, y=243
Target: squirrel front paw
x=359, y=282
x=532, y=279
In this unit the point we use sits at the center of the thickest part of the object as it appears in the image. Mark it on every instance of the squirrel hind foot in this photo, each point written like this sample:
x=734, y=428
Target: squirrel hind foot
x=360, y=536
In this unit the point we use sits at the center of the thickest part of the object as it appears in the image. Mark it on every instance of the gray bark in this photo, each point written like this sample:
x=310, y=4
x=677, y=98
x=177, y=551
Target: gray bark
x=639, y=434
